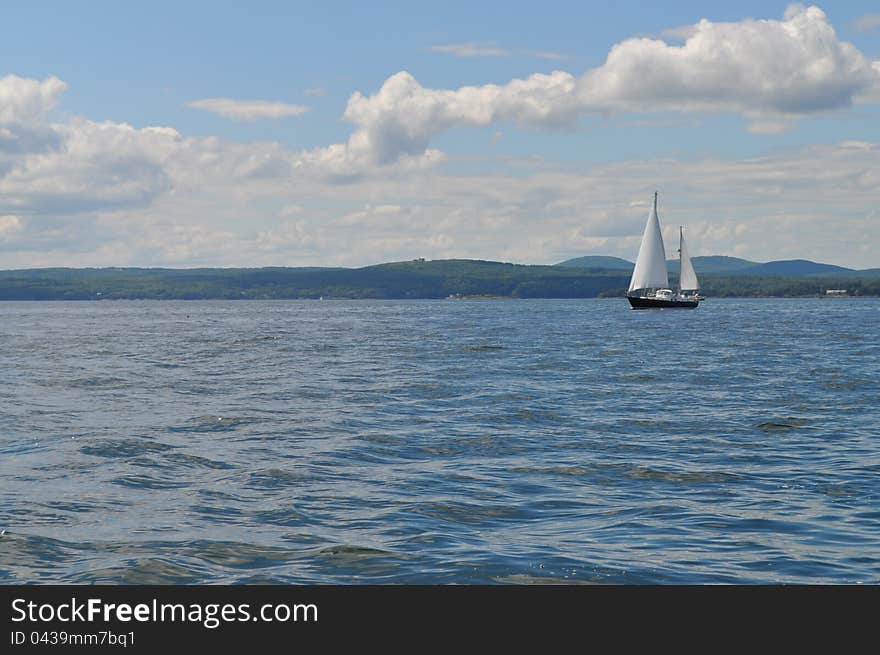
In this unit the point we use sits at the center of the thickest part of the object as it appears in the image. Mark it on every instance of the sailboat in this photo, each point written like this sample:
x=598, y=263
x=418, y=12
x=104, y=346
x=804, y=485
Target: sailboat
x=648, y=287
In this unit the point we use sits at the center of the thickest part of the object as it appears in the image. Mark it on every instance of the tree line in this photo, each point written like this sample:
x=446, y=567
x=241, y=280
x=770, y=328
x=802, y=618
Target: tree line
x=415, y=279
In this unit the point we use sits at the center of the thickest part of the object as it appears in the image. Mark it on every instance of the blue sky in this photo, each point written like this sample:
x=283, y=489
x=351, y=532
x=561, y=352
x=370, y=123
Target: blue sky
x=274, y=192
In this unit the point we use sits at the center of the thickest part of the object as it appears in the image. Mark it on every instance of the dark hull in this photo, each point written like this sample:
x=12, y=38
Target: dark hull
x=654, y=303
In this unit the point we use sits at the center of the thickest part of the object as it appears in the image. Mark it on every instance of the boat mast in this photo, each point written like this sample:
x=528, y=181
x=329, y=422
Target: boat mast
x=648, y=291
x=655, y=213
x=680, y=237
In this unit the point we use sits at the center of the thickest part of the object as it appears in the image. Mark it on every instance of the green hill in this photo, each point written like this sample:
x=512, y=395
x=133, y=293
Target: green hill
x=795, y=267
x=713, y=264
x=721, y=264
x=598, y=262
x=710, y=264
x=409, y=279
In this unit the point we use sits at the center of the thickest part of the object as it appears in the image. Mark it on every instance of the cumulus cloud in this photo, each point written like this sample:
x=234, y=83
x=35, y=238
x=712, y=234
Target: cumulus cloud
x=84, y=166
x=24, y=100
x=99, y=165
x=795, y=66
x=248, y=110
x=402, y=116
x=103, y=193
x=771, y=71
x=543, y=214
x=24, y=104
x=870, y=95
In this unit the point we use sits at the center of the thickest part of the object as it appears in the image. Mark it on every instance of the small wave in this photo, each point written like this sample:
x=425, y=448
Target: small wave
x=484, y=347
x=354, y=552
x=639, y=377
x=240, y=555
x=286, y=517
x=553, y=470
x=224, y=514
x=144, y=571
x=70, y=506
x=837, y=490
x=97, y=382
x=382, y=439
x=353, y=561
x=191, y=461
x=211, y=423
x=536, y=415
x=124, y=448
x=849, y=384
x=165, y=365
x=527, y=579
x=276, y=479
x=777, y=425
x=258, y=339
x=148, y=482
x=469, y=514
x=644, y=421
x=26, y=558
x=485, y=445
x=683, y=477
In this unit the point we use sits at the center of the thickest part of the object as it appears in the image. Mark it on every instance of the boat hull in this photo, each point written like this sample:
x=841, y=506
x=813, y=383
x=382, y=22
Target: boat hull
x=656, y=303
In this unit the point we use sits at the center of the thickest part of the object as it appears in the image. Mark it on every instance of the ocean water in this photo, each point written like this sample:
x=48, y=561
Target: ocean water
x=471, y=442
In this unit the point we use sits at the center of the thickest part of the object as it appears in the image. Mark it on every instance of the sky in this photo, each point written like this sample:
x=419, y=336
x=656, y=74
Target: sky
x=191, y=134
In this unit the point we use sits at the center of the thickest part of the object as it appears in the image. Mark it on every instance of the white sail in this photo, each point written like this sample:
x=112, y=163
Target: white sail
x=650, y=270
x=687, y=276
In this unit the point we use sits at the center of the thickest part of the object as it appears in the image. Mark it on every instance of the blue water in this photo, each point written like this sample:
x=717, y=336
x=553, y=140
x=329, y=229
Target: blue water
x=440, y=442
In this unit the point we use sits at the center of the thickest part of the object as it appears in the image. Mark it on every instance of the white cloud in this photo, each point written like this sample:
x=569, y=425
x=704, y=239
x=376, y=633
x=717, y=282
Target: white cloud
x=771, y=71
x=823, y=194
x=86, y=166
x=99, y=165
x=91, y=193
x=792, y=67
x=25, y=101
x=492, y=50
x=248, y=110
x=317, y=91
x=24, y=104
x=866, y=23
x=472, y=50
x=870, y=95
x=546, y=55
x=402, y=116
x=9, y=225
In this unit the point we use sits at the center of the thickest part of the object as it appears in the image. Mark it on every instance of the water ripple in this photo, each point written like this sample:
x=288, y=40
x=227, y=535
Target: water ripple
x=530, y=442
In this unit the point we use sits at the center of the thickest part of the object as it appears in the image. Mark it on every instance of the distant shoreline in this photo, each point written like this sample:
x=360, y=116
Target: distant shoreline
x=708, y=299
x=456, y=279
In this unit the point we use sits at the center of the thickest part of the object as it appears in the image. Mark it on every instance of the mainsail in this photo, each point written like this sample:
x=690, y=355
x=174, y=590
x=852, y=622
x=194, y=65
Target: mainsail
x=687, y=277
x=650, y=270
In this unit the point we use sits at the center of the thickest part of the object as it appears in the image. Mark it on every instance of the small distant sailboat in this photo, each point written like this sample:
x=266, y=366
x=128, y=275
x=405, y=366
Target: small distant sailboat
x=648, y=287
